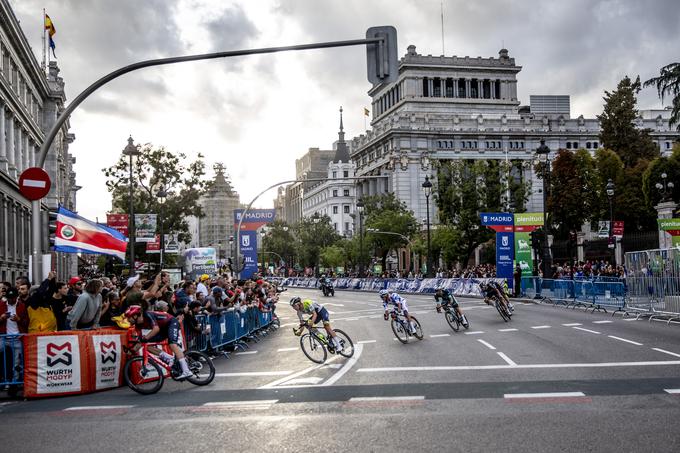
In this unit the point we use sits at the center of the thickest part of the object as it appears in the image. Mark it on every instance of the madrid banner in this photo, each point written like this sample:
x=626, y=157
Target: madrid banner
x=502, y=224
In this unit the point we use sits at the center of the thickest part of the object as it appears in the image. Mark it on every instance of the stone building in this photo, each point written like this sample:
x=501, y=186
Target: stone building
x=218, y=203
x=312, y=165
x=449, y=107
x=30, y=102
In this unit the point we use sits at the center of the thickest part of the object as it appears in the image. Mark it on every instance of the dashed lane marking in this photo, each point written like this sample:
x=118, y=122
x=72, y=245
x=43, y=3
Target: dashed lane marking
x=672, y=391
x=544, y=395
x=366, y=341
x=240, y=403
x=246, y=353
x=507, y=330
x=254, y=373
x=306, y=380
x=440, y=335
x=587, y=330
x=666, y=352
x=235, y=405
x=548, y=398
x=486, y=344
x=540, y=327
x=572, y=324
x=476, y=332
x=624, y=340
x=385, y=398
x=602, y=322
x=287, y=349
x=97, y=408
x=507, y=359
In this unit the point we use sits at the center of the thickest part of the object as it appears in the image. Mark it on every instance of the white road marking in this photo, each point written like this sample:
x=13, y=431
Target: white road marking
x=296, y=375
x=476, y=332
x=94, y=408
x=515, y=367
x=335, y=366
x=544, y=395
x=254, y=373
x=672, y=391
x=666, y=352
x=541, y=327
x=346, y=367
x=246, y=352
x=287, y=349
x=350, y=319
x=486, y=344
x=305, y=380
x=602, y=322
x=631, y=319
x=249, y=404
x=586, y=330
x=623, y=339
x=385, y=398
x=365, y=341
x=440, y=335
x=507, y=359
x=573, y=324
x=507, y=330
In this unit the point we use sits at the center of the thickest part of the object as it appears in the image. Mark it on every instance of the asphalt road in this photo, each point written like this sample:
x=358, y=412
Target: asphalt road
x=552, y=379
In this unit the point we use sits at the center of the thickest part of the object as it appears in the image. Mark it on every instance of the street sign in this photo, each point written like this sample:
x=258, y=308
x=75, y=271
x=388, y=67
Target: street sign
x=617, y=228
x=34, y=183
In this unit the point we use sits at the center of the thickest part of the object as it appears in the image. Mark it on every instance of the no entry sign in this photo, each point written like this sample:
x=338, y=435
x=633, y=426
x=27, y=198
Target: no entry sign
x=34, y=183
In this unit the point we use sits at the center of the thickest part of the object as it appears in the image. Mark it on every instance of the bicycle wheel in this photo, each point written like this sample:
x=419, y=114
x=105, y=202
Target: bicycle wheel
x=452, y=320
x=399, y=330
x=501, y=310
x=202, y=367
x=346, y=342
x=143, y=379
x=419, y=330
x=313, y=348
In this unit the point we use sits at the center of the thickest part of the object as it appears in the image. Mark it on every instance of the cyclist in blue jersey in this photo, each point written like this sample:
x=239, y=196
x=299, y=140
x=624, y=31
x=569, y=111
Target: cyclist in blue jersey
x=392, y=298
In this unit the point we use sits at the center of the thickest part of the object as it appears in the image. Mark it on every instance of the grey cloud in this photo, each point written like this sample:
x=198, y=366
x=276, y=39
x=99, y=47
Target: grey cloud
x=231, y=30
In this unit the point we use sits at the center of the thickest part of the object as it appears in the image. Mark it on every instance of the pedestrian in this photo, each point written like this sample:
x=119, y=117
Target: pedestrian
x=41, y=314
x=87, y=310
x=517, y=276
x=112, y=307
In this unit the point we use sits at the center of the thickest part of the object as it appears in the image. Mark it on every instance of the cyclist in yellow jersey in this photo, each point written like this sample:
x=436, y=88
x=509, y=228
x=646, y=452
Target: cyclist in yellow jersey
x=318, y=313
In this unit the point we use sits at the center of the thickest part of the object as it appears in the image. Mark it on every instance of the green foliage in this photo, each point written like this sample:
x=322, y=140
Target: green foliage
x=447, y=241
x=333, y=256
x=153, y=169
x=652, y=176
x=312, y=237
x=617, y=122
x=668, y=84
x=279, y=239
x=631, y=205
x=608, y=165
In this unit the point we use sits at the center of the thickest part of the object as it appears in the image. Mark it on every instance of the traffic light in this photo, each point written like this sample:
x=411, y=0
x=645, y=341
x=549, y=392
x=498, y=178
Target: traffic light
x=52, y=223
x=535, y=240
x=381, y=58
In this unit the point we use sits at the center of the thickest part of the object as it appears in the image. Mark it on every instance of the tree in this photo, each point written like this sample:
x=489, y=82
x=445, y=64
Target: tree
x=630, y=200
x=333, y=256
x=617, y=125
x=668, y=84
x=447, y=242
x=313, y=234
x=279, y=239
x=608, y=166
x=652, y=176
x=153, y=169
x=386, y=213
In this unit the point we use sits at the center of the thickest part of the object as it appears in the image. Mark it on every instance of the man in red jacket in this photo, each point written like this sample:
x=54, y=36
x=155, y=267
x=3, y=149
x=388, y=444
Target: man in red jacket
x=13, y=321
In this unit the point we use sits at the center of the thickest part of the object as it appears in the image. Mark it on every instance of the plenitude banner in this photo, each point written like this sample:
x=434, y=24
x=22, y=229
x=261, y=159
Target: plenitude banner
x=525, y=223
x=672, y=227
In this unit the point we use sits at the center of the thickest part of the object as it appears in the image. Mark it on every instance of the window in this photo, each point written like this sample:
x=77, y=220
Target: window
x=347, y=227
x=568, y=145
x=345, y=174
x=335, y=226
x=588, y=145
x=596, y=145
x=335, y=209
x=345, y=209
x=335, y=192
x=345, y=193
x=335, y=174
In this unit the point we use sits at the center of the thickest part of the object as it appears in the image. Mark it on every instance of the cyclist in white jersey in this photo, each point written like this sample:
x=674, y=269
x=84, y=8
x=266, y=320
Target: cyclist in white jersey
x=391, y=298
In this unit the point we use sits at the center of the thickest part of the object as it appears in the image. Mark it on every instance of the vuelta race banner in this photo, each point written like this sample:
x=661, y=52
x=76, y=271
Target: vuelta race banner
x=672, y=227
x=525, y=223
x=108, y=355
x=502, y=224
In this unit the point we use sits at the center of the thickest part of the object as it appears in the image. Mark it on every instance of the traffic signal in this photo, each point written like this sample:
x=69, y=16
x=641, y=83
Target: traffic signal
x=52, y=223
x=535, y=240
x=381, y=58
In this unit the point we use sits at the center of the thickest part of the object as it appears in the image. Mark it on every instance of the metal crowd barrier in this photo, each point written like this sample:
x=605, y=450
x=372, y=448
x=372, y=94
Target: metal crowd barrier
x=198, y=341
x=655, y=297
x=595, y=295
x=11, y=360
x=234, y=326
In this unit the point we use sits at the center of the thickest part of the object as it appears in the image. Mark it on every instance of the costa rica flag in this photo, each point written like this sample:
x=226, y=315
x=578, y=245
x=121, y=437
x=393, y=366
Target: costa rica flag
x=76, y=234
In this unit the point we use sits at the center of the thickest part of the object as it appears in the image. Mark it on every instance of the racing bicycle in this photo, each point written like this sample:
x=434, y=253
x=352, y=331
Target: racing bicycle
x=145, y=373
x=502, y=309
x=454, y=319
x=401, y=328
x=316, y=344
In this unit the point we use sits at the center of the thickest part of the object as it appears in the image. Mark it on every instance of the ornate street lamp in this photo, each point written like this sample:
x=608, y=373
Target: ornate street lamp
x=162, y=195
x=666, y=188
x=543, y=154
x=131, y=150
x=427, y=188
x=360, y=210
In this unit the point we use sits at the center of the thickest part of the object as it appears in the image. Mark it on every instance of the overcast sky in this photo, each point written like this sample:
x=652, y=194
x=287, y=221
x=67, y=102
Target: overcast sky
x=257, y=114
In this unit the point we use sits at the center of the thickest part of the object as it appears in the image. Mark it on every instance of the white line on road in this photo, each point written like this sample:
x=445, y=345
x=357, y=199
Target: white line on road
x=313, y=380
x=602, y=322
x=246, y=352
x=572, y=324
x=476, y=332
x=486, y=344
x=672, y=391
x=254, y=373
x=440, y=335
x=516, y=367
x=507, y=359
x=349, y=364
x=296, y=375
x=631, y=319
x=385, y=398
x=94, y=408
x=507, y=330
x=241, y=403
x=544, y=395
x=541, y=327
x=287, y=349
x=365, y=341
x=666, y=352
x=586, y=330
x=623, y=339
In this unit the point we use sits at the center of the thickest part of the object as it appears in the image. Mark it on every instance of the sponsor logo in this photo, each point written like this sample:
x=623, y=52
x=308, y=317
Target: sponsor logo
x=522, y=244
x=108, y=352
x=67, y=232
x=59, y=354
x=504, y=241
x=245, y=241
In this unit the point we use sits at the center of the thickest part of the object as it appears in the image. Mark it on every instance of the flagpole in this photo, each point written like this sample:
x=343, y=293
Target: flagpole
x=43, y=42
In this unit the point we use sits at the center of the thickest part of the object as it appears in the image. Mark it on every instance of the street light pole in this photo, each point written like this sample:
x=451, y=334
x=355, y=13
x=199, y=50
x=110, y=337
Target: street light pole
x=264, y=271
x=612, y=239
x=360, y=210
x=162, y=195
x=543, y=153
x=427, y=187
x=131, y=150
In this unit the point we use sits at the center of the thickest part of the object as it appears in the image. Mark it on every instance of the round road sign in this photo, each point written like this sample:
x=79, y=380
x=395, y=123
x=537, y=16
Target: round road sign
x=34, y=183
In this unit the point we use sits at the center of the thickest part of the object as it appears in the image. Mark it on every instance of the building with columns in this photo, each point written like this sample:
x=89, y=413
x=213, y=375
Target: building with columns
x=449, y=107
x=30, y=102
x=312, y=165
x=218, y=204
x=334, y=197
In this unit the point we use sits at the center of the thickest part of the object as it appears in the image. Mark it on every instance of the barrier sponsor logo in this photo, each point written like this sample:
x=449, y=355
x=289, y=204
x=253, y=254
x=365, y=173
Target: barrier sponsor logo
x=58, y=364
x=107, y=360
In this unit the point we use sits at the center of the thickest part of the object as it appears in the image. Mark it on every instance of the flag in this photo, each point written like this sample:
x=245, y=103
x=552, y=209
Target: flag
x=52, y=46
x=366, y=112
x=76, y=234
x=49, y=26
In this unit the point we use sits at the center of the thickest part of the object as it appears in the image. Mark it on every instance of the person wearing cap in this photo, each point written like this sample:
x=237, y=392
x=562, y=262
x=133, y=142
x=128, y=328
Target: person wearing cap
x=132, y=294
x=214, y=300
x=201, y=286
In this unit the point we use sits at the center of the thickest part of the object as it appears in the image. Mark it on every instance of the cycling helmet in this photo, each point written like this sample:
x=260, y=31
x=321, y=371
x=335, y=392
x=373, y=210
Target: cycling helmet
x=295, y=300
x=383, y=293
x=133, y=310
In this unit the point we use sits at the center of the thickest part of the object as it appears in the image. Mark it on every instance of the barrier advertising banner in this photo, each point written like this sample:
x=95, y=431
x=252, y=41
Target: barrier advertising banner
x=525, y=223
x=254, y=218
x=502, y=224
x=249, y=252
x=108, y=355
x=58, y=365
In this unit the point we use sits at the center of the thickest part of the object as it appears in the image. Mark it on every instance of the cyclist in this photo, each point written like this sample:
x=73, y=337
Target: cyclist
x=489, y=291
x=318, y=313
x=163, y=326
x=502, y=288
x=444, y=299
x=392, y=298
